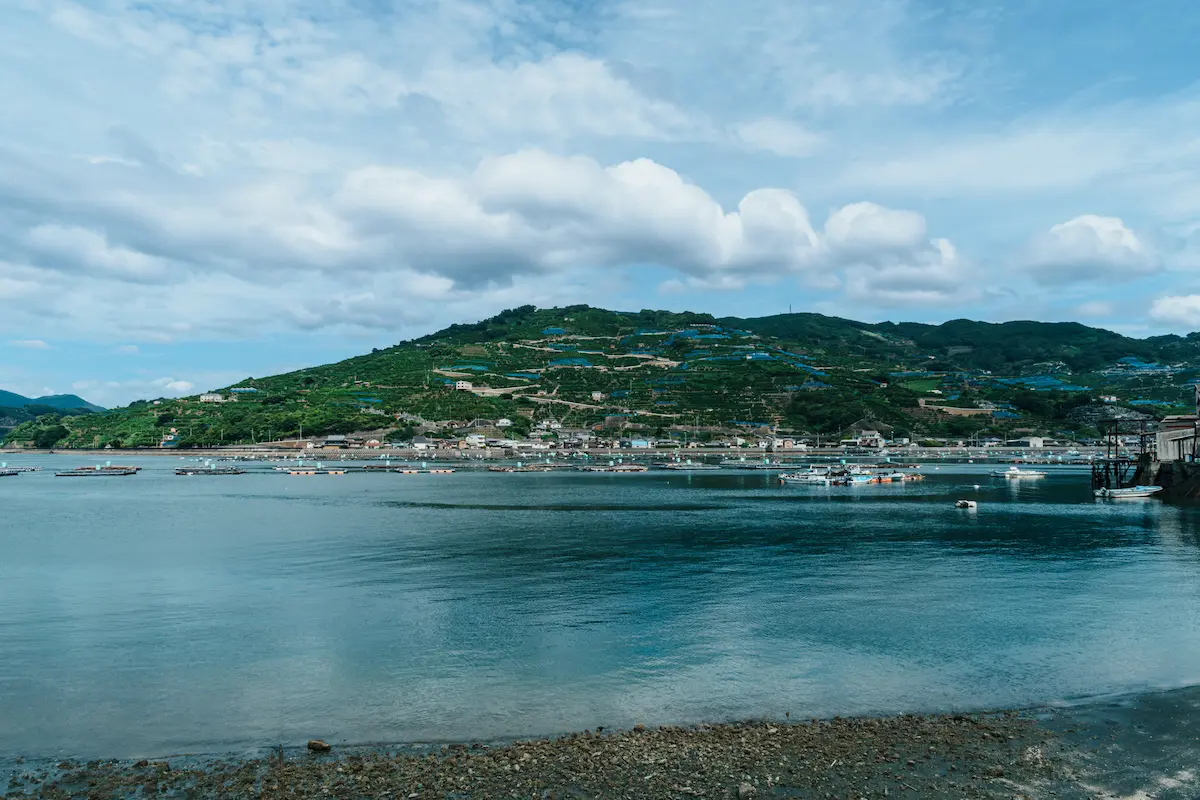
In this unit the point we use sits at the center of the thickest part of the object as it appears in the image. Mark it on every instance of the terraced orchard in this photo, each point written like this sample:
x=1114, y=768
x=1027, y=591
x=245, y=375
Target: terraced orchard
x=678, y=374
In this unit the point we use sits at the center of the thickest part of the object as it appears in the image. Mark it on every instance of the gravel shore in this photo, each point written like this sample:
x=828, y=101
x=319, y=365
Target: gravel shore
x=1133, y=748
x=960, y=756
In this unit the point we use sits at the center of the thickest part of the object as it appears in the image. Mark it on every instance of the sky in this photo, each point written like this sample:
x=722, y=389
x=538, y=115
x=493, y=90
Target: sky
x=193, y=192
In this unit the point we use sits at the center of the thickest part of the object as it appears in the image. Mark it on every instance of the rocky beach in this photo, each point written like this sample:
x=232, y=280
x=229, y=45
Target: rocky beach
x=1137, y=748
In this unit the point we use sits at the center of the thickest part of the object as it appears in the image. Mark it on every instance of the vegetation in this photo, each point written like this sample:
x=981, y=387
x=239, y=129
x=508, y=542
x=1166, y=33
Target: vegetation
x=669, y=372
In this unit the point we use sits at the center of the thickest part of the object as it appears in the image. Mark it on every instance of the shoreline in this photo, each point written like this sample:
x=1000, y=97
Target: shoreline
x=1137, y=746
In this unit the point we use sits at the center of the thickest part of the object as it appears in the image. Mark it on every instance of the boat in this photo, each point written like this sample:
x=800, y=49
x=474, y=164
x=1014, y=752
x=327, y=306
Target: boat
x=812, y=476
x=968, y=504
x=618, y=468
x=1128, y=491
x=95, y=472
x=1016, y=473
x=7, y=468
x=8, y=473
x=686, y=466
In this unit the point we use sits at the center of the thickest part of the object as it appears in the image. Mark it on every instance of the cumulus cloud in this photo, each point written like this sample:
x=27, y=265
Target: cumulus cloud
x=1181, y=310
x=30, y=344
x=1090, y=247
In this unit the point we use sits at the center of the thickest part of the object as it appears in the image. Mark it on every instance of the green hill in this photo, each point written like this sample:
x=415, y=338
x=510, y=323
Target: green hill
x=666, y=372
x=61, y=402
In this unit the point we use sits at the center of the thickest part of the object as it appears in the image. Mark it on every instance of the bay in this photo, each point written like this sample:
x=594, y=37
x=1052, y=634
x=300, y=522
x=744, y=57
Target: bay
x=158, y=614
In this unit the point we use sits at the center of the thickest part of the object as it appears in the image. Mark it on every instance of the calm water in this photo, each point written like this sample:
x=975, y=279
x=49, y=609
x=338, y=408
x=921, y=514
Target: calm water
x=160, y=614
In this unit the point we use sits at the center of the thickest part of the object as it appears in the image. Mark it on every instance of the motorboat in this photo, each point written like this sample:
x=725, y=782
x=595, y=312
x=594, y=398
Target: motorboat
x=1016, y=473
x=1129, y=491
x=812, y=476
x=967, y=504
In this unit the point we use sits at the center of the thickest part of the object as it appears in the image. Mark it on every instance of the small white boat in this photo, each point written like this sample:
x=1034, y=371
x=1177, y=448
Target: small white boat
x=812, y=476
x=1016, y=473
x=1129, y=491
x=969, y=504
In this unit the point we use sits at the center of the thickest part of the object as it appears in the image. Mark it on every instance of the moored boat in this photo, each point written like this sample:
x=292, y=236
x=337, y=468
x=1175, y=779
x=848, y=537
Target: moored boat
x=1016, y=473
x=1127, y=492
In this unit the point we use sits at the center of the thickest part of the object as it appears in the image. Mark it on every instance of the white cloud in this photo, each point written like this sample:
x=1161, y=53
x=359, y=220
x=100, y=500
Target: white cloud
x=781, y=137
x=127, y=350
x=1181, y=310
x=870, y=227
x=1090, y=247
x=30, y=344
x=73, y=248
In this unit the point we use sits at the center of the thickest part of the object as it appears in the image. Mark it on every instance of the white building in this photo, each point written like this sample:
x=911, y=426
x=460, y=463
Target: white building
x=211, y=397
x=504, y=422
x=871, y=439
x=462, y=386
x=598, y=395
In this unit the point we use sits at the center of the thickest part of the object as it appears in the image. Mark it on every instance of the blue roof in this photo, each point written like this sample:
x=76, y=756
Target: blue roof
x=530, y=375
x=570, y=362
x=1005, y=415
x=553, y=331
x=244, y=389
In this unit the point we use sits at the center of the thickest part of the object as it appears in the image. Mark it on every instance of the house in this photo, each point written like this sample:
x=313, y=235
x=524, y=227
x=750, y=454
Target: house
x=1032, y=442
x=423, y=443
x=211, y=397
x=373, y=444
x=1108, y=398
x=335, y=442
x=475, y=440
x=504, y=422
x=639, y=444
x=597, y=395
x=870, y=439
x=462, y=386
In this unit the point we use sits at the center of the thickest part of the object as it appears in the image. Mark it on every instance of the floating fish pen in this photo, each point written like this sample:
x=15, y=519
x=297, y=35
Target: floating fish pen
x=316, y=472
x=210, y=471
x=519, y=469
x=20, y=469
x=9, y=473
x=618, y=468
x=96, y=472
x=108, y=468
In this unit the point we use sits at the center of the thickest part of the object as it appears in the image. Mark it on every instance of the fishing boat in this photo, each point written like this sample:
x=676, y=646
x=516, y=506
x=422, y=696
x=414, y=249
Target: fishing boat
x=95, y=472
x=8, y=473
x=968, y=504
x=1016, y=473
x=813, y=476
x=1129, y=491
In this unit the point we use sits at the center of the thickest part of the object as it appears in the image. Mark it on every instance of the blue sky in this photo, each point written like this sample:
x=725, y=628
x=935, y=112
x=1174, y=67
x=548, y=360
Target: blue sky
x=195, y=191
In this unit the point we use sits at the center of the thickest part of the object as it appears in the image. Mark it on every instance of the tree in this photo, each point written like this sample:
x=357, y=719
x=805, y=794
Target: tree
x=46, y=438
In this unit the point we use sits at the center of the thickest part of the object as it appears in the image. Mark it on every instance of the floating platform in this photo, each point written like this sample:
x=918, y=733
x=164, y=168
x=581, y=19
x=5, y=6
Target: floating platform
x=94, y=472
x=210, y=471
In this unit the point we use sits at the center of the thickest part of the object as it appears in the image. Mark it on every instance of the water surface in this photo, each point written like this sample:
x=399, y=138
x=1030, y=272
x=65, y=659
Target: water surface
x=159, y=614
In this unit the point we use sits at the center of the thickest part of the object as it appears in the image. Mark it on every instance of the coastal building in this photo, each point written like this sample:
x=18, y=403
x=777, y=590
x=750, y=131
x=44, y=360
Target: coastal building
x=504, y=422
x=423, y=443
x=462, y=386
x=211, y=397
x=1176, y=439
x=871, y=439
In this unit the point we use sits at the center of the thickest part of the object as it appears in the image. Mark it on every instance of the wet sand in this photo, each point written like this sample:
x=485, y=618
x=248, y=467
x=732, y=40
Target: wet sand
x=1134, y=748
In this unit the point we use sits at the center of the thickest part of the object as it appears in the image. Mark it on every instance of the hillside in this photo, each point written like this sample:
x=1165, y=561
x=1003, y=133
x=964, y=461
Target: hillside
x=665, y=373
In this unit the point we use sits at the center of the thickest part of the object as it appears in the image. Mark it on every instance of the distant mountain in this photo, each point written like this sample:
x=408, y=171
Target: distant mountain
x=62, y=402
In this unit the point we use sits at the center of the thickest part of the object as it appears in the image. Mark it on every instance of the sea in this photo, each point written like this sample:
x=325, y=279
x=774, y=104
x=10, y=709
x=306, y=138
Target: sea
x=159, y=614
